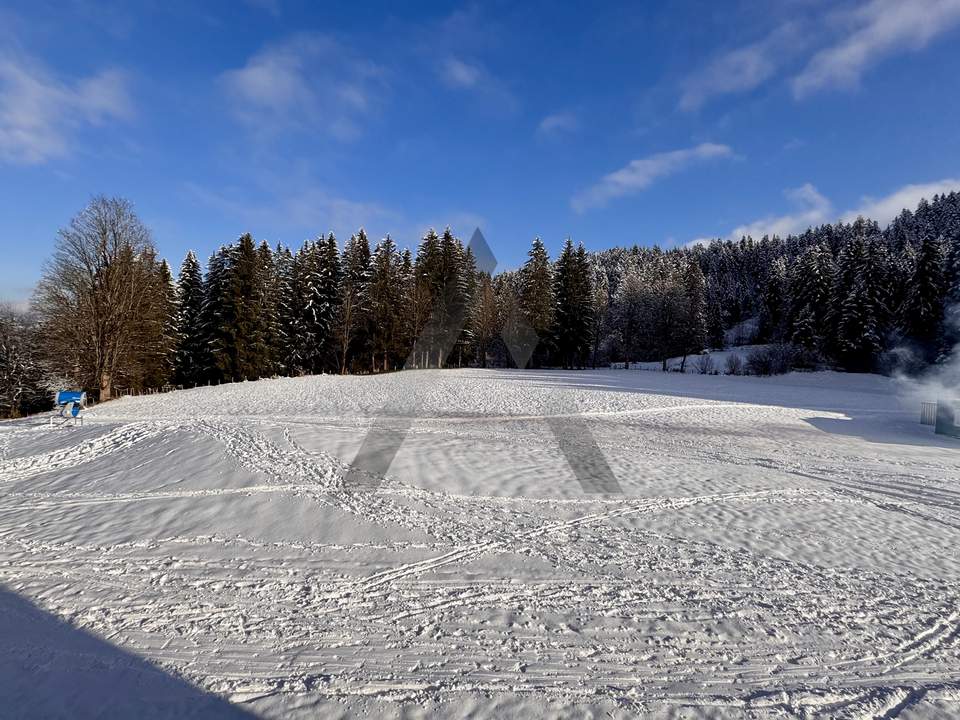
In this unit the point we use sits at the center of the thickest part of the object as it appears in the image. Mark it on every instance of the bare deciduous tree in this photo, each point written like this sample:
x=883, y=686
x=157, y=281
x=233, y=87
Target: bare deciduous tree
x=98, y=295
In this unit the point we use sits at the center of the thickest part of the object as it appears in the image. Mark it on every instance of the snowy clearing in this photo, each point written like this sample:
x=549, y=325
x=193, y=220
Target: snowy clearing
x=783, y=547
x=696, y=364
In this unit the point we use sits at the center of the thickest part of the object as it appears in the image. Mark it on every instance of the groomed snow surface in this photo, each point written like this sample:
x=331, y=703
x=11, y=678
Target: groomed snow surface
x=783, y=547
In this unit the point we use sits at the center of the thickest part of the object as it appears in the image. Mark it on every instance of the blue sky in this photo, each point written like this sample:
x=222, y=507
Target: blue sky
x=650, y=123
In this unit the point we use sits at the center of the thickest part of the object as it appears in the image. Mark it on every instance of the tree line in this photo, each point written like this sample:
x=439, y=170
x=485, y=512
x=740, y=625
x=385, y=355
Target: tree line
x=108, y=313
x=260, y=311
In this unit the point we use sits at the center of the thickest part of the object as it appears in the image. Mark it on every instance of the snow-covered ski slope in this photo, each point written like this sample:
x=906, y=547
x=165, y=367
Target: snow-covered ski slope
x=783, y=547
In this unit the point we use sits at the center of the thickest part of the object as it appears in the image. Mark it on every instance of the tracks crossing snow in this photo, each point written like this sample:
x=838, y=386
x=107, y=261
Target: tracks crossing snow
x=567, y=597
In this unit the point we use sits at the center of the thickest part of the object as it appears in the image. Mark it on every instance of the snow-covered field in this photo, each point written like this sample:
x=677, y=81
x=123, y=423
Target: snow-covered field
x=695, y=363
x=783, y=547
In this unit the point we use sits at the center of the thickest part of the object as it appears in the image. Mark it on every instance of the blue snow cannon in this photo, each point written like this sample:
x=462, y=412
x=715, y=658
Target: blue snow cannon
x=68, y=404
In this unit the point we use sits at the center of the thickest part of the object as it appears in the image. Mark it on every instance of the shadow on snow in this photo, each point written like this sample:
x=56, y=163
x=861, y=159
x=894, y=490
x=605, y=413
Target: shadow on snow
x=50, y=669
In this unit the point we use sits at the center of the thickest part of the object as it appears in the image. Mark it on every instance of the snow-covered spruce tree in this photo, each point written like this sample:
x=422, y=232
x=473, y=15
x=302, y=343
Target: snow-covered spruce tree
x=666, y=300
x=428, y=271
x=926, y=219
x=572, y=295
x=217, y=328
x=950, y=215
x=902, y=232
x=253, y=354
x=353, y=326
x=289, y=312
x=450, y=308
x=858, y=298
x=921, y=315
x=383, y=302
x=693, y=328
x=722, y=265
x=774, y=297
x=584, y=276
x=952, y=268
x=310, y=282
x=232, y=318
x=515, y=332
x=463, y=351
x=190, y=359
x=268, y=302
x=599, y=314
x=811, y=279
x=484, y=319
x=627, y=314
x=566, y=307
x=156, y=365
x=170, y=308
x=951, y=325
x=332, y=293
x=23, y=388
x=537, y=300
x=407, y=282
x=717, y=318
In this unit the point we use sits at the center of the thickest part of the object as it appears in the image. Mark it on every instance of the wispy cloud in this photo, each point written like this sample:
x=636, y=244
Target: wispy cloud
x=308, y=210
x=742, y=69
x=558, y=124
x=871, y=32
x=40, y=113
x=822, y=49
x=640, y=174
x=459, y=51
x=307, y=81
x=886, y=208
x=812, y=208
x=472, y=76
x=459, y=74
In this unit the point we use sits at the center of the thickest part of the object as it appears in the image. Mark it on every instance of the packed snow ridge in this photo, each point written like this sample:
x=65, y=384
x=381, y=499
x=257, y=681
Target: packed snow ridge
x=783, y=547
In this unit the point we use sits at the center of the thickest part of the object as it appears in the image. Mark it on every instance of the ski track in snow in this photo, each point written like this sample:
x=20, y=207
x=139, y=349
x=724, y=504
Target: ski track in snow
x=613, y=602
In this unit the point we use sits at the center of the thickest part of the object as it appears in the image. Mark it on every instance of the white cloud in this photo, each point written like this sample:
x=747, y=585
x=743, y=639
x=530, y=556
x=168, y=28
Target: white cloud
x=742, y=69
x=823, y=49
x=473, y=77
x=812, y=208
x=872, y=31
x=459, y=74
x=640, y=174
x=308, y=80
x=39, y=113
x=737, y=71
x=885, y=209
x=558, y=123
